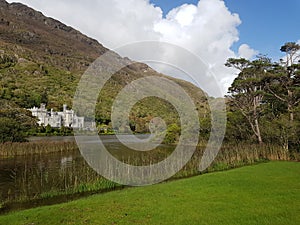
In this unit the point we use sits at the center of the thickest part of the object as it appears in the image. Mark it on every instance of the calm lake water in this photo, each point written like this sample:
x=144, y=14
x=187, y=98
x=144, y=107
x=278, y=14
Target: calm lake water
x=35, y=174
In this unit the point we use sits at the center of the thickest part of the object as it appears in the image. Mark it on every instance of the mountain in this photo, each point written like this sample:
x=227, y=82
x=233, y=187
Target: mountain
x=45, y=39
x=42, y=60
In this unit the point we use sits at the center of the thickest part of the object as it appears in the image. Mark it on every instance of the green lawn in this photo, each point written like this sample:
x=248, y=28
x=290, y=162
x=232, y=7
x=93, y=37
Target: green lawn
x=267, y=193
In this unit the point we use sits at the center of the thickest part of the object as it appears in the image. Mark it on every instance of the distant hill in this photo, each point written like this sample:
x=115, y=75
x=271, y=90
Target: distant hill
x=42, y=60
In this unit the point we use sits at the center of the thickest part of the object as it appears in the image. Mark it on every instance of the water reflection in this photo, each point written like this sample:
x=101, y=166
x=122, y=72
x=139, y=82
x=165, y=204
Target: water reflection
x=32, y=175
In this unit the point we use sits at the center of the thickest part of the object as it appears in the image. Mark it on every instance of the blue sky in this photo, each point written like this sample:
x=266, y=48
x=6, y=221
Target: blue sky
x=167, y=5
x=266, y=24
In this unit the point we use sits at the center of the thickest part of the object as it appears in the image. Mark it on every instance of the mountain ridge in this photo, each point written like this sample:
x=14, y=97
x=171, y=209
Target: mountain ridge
x=24, y=26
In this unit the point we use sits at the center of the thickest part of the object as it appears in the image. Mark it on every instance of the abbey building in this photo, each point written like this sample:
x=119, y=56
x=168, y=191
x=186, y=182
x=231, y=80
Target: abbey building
x=66, y=118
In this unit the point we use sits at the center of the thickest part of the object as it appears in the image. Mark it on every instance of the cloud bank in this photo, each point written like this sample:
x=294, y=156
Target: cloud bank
x=207, y=29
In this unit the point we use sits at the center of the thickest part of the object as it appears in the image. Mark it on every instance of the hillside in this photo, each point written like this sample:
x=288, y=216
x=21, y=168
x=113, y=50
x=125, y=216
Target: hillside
x=42, y=60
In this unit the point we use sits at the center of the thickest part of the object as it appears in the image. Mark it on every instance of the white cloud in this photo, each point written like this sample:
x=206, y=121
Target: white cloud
x=208, y=29
x=246, y=52
x=183, y=15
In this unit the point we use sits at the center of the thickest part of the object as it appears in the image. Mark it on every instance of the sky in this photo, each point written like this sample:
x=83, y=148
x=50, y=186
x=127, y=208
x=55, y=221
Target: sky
x=214, y=30
x=265, y=24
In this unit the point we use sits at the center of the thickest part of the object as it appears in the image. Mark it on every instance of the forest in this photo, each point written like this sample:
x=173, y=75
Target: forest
x=263, y=101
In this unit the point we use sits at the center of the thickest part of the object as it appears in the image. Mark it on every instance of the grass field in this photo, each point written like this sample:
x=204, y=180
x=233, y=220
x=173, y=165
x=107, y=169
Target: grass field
x=267, y=193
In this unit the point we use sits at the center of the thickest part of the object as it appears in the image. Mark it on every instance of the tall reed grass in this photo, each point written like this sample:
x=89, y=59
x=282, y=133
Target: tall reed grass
x=11, y=149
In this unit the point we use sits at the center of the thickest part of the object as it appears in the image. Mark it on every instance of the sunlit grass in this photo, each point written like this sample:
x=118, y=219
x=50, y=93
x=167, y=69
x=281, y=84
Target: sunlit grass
x=267, y=193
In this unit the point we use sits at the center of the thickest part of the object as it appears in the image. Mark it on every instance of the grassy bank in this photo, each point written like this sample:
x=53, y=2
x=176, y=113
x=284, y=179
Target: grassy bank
x=267, y=193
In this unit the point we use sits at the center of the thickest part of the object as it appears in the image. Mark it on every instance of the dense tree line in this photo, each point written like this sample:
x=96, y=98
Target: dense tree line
x=264, y=99
x=15, y=122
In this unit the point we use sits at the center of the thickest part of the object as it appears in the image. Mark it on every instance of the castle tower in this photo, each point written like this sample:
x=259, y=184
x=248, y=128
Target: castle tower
x=43, y=106
x=64, y=108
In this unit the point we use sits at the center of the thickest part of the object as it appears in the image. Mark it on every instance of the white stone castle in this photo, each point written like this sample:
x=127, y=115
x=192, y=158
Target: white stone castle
x=66, y=118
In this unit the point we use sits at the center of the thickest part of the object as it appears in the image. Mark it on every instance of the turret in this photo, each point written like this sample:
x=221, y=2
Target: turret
x=43, y=106
x=65, y=108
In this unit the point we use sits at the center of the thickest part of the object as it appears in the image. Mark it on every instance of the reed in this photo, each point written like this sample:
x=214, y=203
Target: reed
x=236, y=155
x=12, y=149
x=229, y=156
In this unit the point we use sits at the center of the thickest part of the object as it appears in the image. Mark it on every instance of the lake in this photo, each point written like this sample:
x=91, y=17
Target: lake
x=29, y=176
